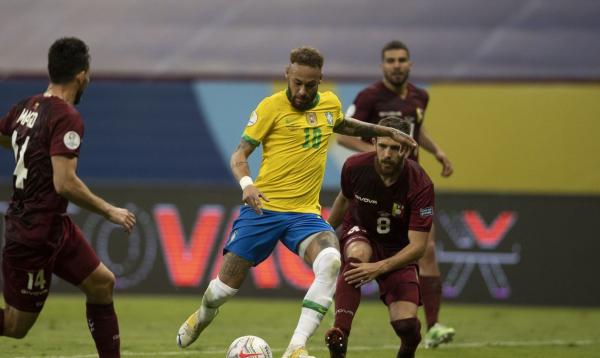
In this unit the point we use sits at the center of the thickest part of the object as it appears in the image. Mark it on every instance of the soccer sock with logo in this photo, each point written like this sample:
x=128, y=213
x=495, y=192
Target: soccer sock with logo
x=103, y=324
x=431, y=292
x=347, y=300
x=1, y=322
x=319, y=296
x=409, y=331
x=216, y=294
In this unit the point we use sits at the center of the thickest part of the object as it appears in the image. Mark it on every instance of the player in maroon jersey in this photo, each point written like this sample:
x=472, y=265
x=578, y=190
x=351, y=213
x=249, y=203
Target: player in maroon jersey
x=45, y=133
x=394, y=95
x=386, y=204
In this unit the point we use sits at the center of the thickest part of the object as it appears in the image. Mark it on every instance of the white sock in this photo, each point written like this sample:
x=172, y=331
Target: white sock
x=216, y=294
x=319, y=296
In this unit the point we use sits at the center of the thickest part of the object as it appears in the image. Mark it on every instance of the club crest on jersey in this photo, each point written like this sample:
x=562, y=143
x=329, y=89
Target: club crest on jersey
x=311, y=118
x=420, y=114
x=72, y=140
x=397, y=209
x=329, y=116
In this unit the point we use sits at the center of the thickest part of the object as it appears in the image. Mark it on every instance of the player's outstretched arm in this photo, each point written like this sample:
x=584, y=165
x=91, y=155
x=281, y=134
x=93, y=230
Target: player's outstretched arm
x=354, y=143
x=353, y=127
x=340, y=205
x=368, y=271
x=426, y=142
x=241, y=171
x=68, y=185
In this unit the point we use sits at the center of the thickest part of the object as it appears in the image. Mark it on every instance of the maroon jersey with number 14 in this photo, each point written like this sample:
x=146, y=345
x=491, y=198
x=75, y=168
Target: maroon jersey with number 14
x=387, y=213
x=40, y=127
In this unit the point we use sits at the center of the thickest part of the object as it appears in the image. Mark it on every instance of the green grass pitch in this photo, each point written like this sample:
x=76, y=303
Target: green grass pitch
x=149, y=324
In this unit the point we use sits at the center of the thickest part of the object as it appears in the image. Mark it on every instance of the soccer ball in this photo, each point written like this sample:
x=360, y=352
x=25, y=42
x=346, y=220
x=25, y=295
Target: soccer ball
x=249, y=347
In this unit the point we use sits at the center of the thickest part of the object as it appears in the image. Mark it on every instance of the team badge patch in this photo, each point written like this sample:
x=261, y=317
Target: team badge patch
x=428, y=211
x=311, y=118
x=397, y=209
x=253, y=119
x=72, y=140
x=420, y=114
x=329, y=116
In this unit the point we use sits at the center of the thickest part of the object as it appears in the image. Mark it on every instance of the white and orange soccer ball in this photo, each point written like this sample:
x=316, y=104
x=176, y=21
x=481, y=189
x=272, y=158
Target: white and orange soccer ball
x=249, y=347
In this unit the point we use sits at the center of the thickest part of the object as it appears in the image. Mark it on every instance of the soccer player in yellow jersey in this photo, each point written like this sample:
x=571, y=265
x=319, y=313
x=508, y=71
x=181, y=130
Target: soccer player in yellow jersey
x=295, y=127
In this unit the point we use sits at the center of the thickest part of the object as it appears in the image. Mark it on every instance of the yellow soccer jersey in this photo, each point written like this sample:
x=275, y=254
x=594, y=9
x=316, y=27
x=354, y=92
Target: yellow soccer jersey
x=295, y=147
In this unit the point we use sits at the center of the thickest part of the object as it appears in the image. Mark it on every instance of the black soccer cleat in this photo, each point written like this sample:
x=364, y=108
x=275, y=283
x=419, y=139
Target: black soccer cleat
x=337, y=342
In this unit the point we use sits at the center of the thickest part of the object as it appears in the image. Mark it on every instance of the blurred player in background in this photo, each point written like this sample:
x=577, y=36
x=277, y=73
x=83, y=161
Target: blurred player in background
x=294, y=127
x=386, y=204
x=396, y=96
x=45, y=132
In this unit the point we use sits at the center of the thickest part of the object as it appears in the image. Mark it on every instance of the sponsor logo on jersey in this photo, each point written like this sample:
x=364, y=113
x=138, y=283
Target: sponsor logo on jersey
x=397, y=209
x=365, y=200
x=72, y=140
x=420, y=114
x=311, y=118
x=253, y=119
x=329, y=116
x=383, y=114
x=424, y=212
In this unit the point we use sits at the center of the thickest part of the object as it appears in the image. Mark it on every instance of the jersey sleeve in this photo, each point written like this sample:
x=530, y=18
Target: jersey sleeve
x=66, y=133
x=362, y=107
x=5, y=122
x=260, y=123
x=346, y=181
x=421, y=214
x=339, y=113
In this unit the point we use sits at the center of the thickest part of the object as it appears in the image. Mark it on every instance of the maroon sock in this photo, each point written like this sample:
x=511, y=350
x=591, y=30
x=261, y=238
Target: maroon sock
x=431, y=292
x=409, y=331
x=103, y=324
x=347, y=300
x=1, y=322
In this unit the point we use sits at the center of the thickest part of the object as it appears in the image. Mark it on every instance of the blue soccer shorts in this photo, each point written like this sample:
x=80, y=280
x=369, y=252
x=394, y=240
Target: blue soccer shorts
x=253, y=237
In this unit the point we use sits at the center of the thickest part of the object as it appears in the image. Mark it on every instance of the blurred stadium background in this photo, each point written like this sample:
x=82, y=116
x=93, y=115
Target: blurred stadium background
x=515, y=103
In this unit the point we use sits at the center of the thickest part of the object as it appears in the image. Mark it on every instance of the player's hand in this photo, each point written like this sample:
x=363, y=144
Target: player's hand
x=402, y=138
x=252, y=196
x=121, y=216
x=447, y=169
x=362, y=273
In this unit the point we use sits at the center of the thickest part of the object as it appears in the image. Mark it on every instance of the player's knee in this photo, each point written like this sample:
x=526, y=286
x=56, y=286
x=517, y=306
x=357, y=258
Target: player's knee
x=327, y=264
x=408, y=329
x=102, y=287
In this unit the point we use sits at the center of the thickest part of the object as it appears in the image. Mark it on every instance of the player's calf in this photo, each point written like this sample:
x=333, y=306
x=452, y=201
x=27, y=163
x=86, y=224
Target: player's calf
x=409, y=331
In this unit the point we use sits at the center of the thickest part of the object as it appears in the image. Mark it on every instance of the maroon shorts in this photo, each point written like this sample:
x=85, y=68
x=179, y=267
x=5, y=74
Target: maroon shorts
x=27, y=269
x=399, y=285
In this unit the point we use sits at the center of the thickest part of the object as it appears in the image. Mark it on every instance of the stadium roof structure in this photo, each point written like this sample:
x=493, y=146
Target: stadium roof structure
x=455, y=40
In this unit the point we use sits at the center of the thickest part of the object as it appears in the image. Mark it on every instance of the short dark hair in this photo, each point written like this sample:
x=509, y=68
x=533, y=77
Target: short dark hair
x=307, y=56
x=66, y=58
x=396, y=122
x=394, y=45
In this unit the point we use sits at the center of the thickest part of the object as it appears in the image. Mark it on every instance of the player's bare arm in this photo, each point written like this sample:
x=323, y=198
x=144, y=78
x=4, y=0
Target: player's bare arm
x=356, y=128
x=340, y=205
x=426, y=142
x=240, y=169
x=68, y=185
x=354, y=143
x=368, y=271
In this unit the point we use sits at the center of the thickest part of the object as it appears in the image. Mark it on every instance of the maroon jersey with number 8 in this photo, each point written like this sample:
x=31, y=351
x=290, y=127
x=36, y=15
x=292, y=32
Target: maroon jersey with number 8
x=387, y=213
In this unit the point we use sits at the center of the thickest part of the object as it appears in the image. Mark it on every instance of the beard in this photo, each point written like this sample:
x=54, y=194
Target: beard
x=305, y=104
x=393, y=79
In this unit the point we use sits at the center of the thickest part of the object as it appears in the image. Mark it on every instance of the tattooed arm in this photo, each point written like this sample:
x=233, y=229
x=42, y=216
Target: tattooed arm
x=239, y=167
x=356, y=128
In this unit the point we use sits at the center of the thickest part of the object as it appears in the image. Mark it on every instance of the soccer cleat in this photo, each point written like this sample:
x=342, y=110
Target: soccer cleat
x=194, y=325
x=438, y=334
x=296, y=352
x=337, y=342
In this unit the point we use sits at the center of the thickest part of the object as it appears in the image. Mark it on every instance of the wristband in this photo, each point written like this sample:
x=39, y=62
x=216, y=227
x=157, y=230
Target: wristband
x=245, y=181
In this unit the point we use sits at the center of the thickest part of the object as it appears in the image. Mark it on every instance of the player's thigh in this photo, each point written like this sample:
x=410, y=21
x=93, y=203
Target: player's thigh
x=98, y=285
x=26, y=276
x=16, y=322
x=400, y=286
x=253, y=237
x=76, y=260
x=307, y=235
